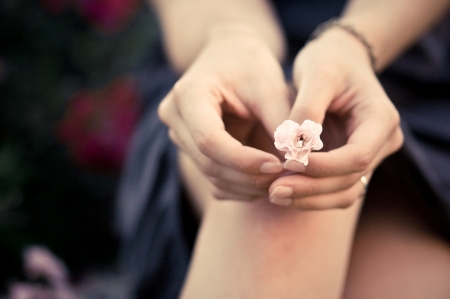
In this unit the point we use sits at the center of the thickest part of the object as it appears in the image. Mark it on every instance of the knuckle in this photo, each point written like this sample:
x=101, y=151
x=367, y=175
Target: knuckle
x=219, y=193
x=241, y=164
x=306, y=204
x=262, y=182
x=178, y=89
x=216, y=182
x=328, y=74
x=174, y=138
x=399, y=138
x=322, y=170
x=208, y=167
x=362, y=161
x=350, y=181
x=310, y=111
x=308, y=190
x=163, y=108
x=252, y=198
x=346, y=203
x=396, y=119
x=204, y=144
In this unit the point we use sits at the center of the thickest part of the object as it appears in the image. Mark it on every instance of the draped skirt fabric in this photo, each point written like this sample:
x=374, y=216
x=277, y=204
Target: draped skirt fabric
x=151, y=213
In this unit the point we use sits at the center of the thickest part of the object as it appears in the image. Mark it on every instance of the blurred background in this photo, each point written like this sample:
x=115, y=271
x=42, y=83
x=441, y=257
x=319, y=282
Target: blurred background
x=69, y=100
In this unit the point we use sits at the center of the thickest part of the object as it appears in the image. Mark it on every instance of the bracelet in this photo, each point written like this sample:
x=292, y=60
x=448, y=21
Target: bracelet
x=337, y=23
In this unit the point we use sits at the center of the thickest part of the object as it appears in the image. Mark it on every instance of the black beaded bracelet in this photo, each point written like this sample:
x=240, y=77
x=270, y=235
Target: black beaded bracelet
x=337, y=23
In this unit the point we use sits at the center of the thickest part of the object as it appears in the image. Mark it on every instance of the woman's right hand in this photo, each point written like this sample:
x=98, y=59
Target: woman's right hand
x=234, y=86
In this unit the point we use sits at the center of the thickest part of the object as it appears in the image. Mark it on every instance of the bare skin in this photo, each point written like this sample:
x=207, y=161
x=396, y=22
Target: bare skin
x=257, y=250
x=254, y=250
x=399, y=250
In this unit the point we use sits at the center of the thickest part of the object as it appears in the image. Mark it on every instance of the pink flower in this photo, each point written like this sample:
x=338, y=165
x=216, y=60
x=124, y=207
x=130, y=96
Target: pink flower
x=298, y=141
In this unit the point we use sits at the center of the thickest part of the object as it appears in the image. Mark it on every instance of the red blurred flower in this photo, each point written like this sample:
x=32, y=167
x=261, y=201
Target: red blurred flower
x=98, y=124
x=109, y=16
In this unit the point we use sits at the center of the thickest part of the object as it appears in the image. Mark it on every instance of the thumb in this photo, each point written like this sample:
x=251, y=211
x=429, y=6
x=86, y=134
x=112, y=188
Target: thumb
x=312, y=101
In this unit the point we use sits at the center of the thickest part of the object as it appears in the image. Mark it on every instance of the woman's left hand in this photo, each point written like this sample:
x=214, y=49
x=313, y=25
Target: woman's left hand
x=338, y=88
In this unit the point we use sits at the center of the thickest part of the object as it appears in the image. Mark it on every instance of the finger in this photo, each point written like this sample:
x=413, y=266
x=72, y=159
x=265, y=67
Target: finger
x=340, y=199
x=237, y=193
x=228, y=195
x=166, y=109
x=222, y=176
x=179, y=135
x=176, y=140
x=234, y=193
x=202, y=116
x=270, y=104
x=297, y=186
x=312, y=101
x=361, y=149
x=300, y=185
x=233, y=177
x=225, y=178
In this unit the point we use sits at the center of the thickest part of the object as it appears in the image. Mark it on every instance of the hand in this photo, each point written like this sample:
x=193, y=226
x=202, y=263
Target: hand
x=337, y=87
x=213, y=110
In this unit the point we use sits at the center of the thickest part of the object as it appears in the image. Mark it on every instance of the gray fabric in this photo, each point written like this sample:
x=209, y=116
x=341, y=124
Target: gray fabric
x=429, y=60
x=426, y=127
x=155, y=249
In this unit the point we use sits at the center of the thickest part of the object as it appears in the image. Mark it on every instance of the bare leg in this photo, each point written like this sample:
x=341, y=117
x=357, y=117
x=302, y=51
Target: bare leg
x=397, y=253
x=258, y=250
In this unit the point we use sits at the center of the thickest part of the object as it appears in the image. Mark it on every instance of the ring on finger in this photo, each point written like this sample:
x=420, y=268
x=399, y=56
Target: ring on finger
x=365, y=183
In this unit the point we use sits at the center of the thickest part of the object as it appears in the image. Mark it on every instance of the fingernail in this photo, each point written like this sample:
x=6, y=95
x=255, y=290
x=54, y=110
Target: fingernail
x=280, y=196
x=282, y=191
x=281, y=201
x=294, y=166
x=271, y=167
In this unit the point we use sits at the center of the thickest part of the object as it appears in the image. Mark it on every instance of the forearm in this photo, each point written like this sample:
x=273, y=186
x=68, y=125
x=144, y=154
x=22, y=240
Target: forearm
x=187, y=25
x=393, y=25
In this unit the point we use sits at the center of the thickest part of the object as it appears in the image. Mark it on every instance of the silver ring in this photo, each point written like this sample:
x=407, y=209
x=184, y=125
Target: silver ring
x=365, y=183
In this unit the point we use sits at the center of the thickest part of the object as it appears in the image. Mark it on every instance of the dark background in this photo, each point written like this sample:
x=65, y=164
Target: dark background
x=53, y=55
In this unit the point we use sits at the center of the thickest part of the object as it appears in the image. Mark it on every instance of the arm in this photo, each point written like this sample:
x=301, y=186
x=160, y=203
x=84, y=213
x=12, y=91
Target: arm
x=188, y=24
x=392, y=26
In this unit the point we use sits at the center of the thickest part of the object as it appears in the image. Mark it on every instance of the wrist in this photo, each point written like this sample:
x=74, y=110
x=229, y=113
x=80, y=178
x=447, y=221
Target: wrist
x=242, y=33
x=337, y=39
x=349, y=30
